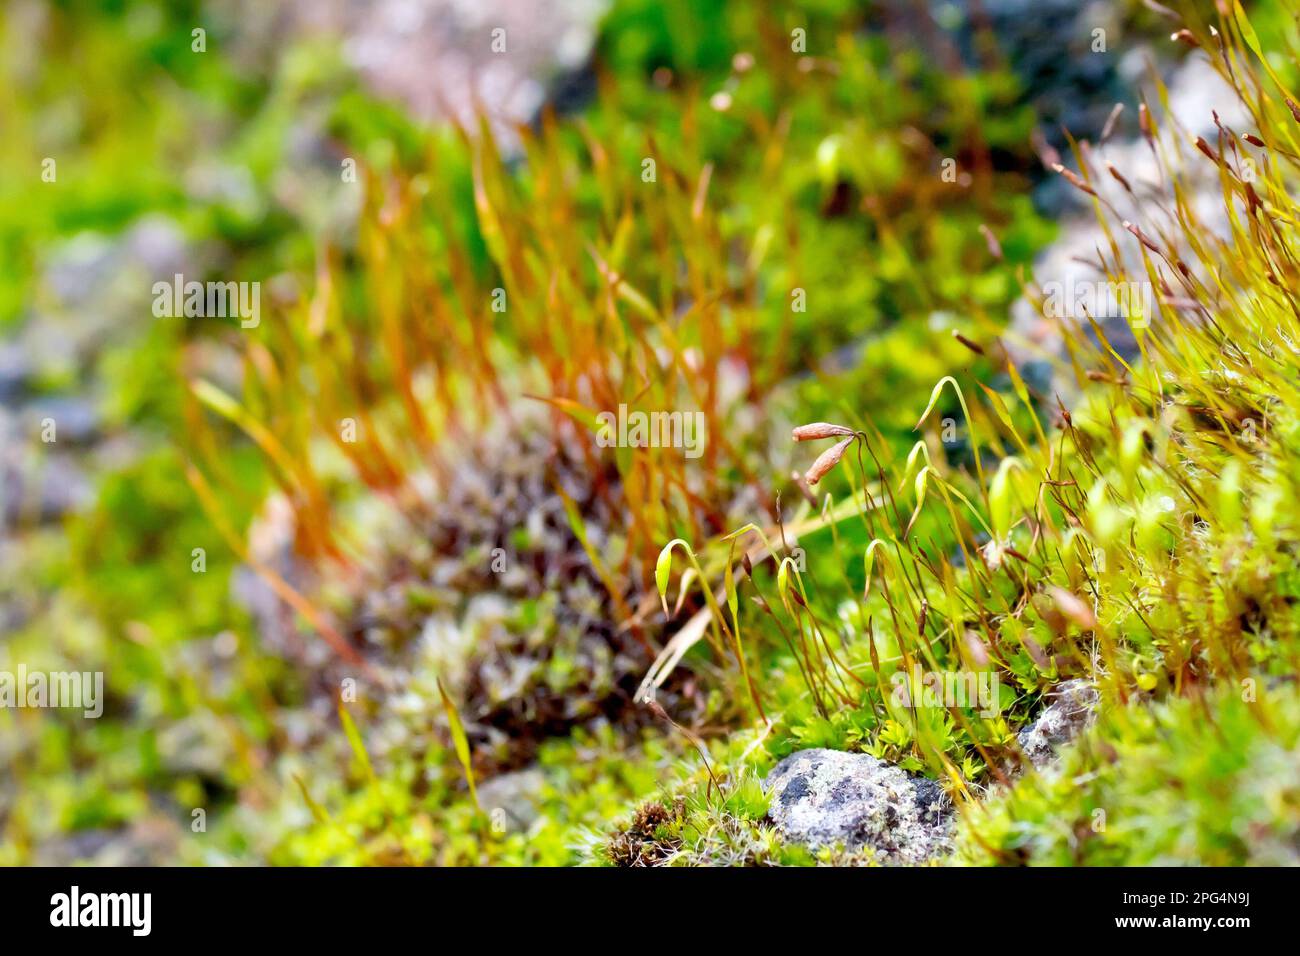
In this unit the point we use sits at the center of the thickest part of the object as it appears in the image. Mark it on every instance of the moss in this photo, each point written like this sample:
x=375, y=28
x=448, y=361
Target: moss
x=1130, y=535
x=652, y=836
x=1209, y=782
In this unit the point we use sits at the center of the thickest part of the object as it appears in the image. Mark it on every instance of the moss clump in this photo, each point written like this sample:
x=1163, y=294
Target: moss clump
x=651, y=838
x=1212, y=782
x=1139, y=539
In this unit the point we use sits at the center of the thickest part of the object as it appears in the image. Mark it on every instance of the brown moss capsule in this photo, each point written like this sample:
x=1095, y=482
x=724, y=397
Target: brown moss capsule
x=1111, y=120
x=1115, y=174
x=826, y=461
x=976, y=649
x=1142, y=237
x=1204, y=147
x=818, y=430
x=1073, y=608
x=973, y=346
x=1074, y=179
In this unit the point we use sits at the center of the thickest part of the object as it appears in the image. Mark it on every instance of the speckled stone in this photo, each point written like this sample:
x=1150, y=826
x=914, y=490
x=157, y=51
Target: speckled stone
x=1073, y=708
x=825, y=797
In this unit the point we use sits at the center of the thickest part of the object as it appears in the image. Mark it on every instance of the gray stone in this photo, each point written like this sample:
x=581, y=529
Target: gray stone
x=76, y=419
x=825, y=797
x=1069, y=265
x=15, y=370
x=198, y=744
x=511, y=799
x=152, y=841
x=1048, y=45
x=436, y=56
x=81, y=267
x=1073, y=709
x=37, y=490
x=157, y=245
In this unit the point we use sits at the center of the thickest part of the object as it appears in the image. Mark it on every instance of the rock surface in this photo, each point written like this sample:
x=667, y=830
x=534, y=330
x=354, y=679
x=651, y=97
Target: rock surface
x=1071, y=57
x=1072, y=710
x=1070, y=264
x=826, y=797
x=511, y=799
x=442, y=58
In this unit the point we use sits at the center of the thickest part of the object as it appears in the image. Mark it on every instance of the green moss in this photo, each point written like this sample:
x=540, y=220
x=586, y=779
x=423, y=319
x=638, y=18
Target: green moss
x=1210, y=782
x=822, y=181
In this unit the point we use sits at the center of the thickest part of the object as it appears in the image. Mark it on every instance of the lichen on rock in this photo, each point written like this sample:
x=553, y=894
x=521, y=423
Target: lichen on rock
x=1073, y=709
x=828, y=798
